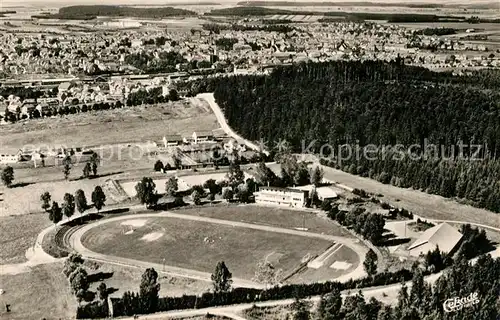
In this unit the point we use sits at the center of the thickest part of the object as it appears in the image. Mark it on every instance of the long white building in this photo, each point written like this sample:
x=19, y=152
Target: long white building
x=286, y=197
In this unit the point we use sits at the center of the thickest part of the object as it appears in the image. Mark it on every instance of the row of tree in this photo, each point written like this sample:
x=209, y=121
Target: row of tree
x=369, y=225
x=14, y=116
x=71, y=203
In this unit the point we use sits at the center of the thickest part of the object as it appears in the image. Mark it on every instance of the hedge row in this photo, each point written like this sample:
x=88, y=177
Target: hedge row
x=131, y=303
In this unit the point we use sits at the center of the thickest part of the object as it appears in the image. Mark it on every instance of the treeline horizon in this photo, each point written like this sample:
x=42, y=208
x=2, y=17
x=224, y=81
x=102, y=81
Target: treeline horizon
x=88, y=12
x=419, y=5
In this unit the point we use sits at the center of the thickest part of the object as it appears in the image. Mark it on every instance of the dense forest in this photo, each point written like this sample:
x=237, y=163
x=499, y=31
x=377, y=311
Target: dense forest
x=82, y=11
x=338, y=4
x=272, y=27
x=436, y=31
x=450, y=122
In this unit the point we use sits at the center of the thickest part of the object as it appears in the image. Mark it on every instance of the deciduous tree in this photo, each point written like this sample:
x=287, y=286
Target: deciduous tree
x=68, y=205
x=158, y=165
x=146, y=192
x=235, y=176
x=330, y=305
x=79, y=280
x=196, y=197
x=149, y=290
x=267, y=274
x=316, y=176
x=81, y=201
x=67, y=165
x=45, y=199
x=221, y=278
x=227, y=194
x=171, y=186
x=370, y=263
x=55, y=213
x=98, y=198
x=102, y=291
x=8, y=176
x=86, y=170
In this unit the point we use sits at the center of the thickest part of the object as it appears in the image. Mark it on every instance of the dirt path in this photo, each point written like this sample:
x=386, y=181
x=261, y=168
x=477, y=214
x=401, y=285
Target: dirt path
x=76, y=244
x=209, y=97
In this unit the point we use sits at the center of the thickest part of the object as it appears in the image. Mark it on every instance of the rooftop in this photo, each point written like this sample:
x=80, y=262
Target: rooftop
x=443, y=235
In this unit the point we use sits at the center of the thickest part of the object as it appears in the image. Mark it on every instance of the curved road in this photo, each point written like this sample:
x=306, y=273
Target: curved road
x=76, y=243
x=209, y=97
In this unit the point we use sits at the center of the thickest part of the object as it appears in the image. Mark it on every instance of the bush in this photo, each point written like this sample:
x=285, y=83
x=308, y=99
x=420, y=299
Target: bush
x=94, y=310
x=158, y=166
x=360, y=192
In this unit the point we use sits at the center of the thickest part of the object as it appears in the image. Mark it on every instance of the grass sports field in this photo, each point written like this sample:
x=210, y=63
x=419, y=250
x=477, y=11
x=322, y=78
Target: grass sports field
x=200, y=245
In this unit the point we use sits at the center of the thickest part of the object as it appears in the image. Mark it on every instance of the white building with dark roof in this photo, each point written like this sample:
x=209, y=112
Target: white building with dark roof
x=285, y=197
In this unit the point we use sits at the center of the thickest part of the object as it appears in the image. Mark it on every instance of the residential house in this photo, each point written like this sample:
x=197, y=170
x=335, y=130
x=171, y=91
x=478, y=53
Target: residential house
x=202, y=136
x=10, y=156
x=172, y=140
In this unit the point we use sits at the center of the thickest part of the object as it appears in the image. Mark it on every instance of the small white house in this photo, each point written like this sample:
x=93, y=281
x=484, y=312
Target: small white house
x=202, y=136
x=10, y=156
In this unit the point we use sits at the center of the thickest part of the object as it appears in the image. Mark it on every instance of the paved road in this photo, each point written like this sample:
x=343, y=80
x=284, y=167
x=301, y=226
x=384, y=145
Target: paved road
x=209, y=97
x=76, y=244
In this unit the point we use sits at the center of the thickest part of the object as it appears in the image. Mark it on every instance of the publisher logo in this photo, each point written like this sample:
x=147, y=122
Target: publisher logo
x=456, y=303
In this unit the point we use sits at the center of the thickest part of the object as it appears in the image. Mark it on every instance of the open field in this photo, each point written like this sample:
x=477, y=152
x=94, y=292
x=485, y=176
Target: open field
x=271, y=216
x=42, y=293
x=199, y=246
x=129, y=124
x=17, y=234
x=25, y=200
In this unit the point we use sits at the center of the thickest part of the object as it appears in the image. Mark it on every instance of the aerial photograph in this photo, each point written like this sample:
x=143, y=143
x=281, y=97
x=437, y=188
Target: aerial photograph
x=250, y=159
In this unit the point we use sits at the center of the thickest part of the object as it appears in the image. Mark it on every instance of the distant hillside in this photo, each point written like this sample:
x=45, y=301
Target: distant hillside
x=357, y=16
x=91, y=11
x=337, y=4
x=484, y=6
x=251, y=11
x=407, y=4
x=172, y=4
